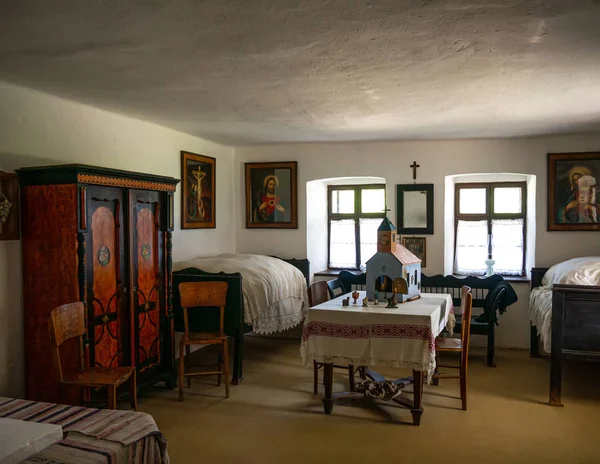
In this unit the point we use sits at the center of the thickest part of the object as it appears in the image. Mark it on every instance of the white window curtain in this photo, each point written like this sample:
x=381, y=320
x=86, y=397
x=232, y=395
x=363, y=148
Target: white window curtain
x=471, y=247
x=368, y=239
x=342, y=245
x=507, y=246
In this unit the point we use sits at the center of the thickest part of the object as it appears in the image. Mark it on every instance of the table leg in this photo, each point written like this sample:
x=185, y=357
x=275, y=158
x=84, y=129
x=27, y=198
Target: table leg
x=328, y=381
x=418, y=396
x=351, y=378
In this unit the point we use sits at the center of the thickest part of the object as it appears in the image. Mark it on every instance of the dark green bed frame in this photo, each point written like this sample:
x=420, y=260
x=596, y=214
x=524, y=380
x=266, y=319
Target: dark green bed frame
x=208, y=321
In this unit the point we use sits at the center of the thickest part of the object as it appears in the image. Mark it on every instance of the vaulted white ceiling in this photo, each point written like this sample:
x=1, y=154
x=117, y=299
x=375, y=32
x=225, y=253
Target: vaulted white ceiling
x=254, y=71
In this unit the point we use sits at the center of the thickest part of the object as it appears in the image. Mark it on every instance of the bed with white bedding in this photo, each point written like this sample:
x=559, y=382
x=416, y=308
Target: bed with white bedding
x=577, y=271
x=274, y=291
x=265, y=294
x=564, y=310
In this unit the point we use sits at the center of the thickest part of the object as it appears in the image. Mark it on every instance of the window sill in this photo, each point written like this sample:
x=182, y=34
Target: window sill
x=516, y=279
x=335, y=272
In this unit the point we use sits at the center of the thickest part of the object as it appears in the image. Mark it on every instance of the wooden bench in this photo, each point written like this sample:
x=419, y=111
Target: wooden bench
x=491, y=294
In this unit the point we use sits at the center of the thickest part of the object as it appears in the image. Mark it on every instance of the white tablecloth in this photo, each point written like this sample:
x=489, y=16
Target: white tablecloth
x=401, y=337
x=20, y=439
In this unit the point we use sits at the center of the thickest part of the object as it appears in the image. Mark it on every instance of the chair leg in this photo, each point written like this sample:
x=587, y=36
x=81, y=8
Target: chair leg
x=315, y=378
x=351, y=377
x=362, y=372
x=490, y=347
x=188, y=351
x=112, y=397
x=219, y=368
x=436, y=381
x=133, y=390
x=463, y=386
x=181, y=370
x=226, y=366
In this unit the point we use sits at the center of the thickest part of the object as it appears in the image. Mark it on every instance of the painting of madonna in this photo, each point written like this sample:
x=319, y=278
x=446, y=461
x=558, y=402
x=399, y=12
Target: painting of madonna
x=575, y=199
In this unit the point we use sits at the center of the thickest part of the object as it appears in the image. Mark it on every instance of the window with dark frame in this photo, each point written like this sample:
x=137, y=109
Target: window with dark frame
x=354, y=214
x=490, y=221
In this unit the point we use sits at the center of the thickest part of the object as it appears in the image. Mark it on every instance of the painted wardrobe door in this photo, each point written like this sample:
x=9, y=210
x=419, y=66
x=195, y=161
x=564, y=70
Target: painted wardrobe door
x=107, y=278
x=147, y=269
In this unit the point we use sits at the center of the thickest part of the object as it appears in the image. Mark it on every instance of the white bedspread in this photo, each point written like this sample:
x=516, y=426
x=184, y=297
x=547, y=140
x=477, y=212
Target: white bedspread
x=576, y=271
x=275, y=294
x=540, y=314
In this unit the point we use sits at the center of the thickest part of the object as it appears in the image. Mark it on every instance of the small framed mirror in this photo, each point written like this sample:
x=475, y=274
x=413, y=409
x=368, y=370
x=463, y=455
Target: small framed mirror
x=414, y=208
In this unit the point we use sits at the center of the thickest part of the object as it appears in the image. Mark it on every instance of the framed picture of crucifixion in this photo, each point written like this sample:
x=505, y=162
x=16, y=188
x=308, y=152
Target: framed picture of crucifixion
x=199, y=191
x=271, y=195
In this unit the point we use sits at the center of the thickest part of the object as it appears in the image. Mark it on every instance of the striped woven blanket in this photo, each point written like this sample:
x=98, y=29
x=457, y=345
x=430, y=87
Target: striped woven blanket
x=92, y=436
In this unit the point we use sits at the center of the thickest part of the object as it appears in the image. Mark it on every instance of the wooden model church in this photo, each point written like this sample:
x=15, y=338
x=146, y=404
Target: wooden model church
x=393, y=269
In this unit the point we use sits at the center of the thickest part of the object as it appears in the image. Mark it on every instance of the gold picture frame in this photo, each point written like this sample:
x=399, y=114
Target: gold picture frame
x=271, y=195
x=198, y=193
x=574, y=191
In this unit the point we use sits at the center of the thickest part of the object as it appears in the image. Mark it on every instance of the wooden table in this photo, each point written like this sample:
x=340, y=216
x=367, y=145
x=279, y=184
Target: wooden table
x=377, y=336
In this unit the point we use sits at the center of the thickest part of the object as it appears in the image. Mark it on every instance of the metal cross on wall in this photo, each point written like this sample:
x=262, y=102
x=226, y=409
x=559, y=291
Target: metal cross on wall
x=414, y=167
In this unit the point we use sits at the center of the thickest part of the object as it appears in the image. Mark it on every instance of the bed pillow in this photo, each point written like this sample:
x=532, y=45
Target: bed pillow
x=576, y=271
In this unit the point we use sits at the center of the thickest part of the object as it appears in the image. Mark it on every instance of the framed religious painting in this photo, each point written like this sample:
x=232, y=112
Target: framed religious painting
x=198, y=193
x=418, y=247
x=573, y=200
x=271, y=195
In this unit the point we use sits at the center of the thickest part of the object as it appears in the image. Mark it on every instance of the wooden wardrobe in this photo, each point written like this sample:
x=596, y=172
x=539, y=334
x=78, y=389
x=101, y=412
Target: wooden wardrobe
x=101, y=236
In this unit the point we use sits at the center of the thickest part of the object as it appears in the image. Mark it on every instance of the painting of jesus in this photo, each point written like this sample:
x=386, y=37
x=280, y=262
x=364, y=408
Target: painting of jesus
x=271, y=195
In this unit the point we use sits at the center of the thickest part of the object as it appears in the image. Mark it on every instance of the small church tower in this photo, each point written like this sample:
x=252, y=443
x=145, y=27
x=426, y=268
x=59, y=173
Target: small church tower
x=393, y=269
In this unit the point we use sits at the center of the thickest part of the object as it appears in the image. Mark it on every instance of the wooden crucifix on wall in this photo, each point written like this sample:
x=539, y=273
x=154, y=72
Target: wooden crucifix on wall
x=414, y=167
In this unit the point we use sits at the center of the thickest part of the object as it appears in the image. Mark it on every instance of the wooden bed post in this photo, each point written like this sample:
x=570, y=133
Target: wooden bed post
x=556, y=355
x=537, y=274
x=534, y=350
x=238, y=352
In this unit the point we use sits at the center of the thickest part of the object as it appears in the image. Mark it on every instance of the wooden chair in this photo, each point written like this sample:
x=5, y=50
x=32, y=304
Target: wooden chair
x=66, y=322
x=335, y=288
x=196, y=295
x=492, y=294
x=318, y=293
x=457, y=345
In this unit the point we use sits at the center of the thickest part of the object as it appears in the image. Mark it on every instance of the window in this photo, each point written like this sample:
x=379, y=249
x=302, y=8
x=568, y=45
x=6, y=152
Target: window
x=490, y=222
x=354, y=214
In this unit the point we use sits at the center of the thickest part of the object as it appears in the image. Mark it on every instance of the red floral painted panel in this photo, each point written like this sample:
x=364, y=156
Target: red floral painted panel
x=105, y=254
x=147, y=283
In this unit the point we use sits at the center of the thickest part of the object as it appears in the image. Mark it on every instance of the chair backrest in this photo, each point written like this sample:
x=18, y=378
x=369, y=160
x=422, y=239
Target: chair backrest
x=335, y=288
x=203, y=294
x=66, y=322
x=318, y=293
x=493, y=300
x=351, y=281
x=466, y=306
